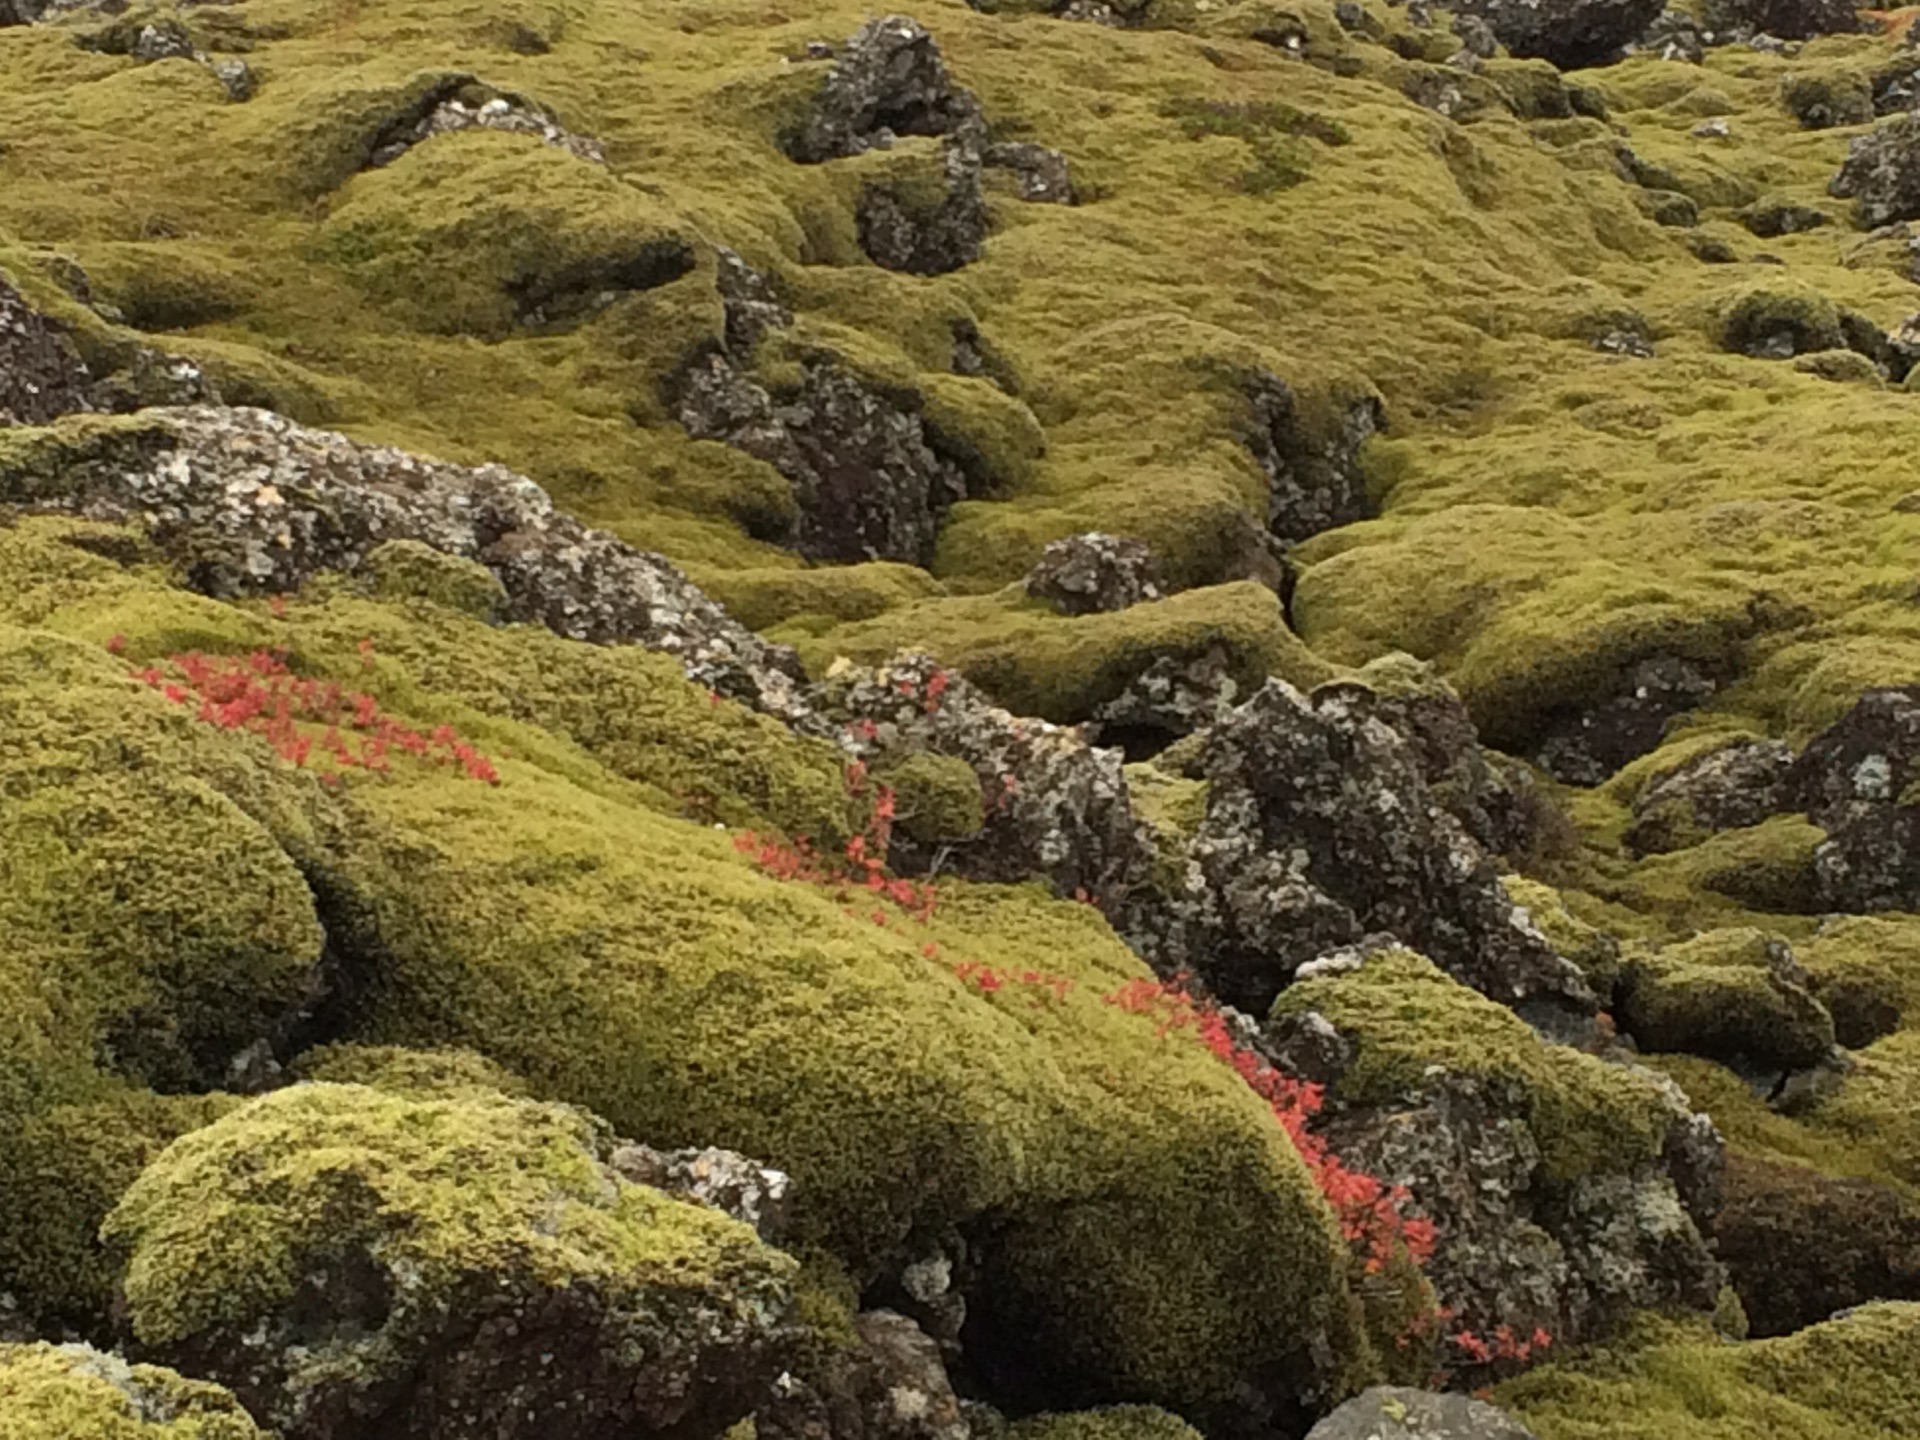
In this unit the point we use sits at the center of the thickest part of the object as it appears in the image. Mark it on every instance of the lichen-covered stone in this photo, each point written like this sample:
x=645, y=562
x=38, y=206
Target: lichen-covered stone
x=1113, y=1422
x=41, y=375
x=74, y=1392
x=349, y=1260
x=1728, y=787
x=1086, y=573
x=1565, y=1189
x=1881, y=174
x=1570, y=33
x=1396, y=1413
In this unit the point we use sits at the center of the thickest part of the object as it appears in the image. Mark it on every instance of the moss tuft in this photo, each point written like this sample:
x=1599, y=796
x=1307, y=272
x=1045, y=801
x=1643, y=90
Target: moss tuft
x=74, y=1393
x=937, y=797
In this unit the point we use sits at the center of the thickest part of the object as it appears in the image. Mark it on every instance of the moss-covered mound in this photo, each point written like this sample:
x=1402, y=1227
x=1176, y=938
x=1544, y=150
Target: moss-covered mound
x=74, y=1393
x=1851, y=1377
x=1407, y=1016
x=439, y=1265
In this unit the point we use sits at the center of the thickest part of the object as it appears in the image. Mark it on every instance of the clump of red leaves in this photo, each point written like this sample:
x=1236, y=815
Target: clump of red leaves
x=322, y=721
x=861, y=863
x=1369, y=1210
x=1504, y=1350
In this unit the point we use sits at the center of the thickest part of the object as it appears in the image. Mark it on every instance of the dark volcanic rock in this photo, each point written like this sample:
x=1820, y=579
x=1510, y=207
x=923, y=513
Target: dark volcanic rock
x=1782, y=19
x=1319, y=830
x=892, y=1386
x=1311, y=486
x=1856, y=779
x=1570, y=33
x=889, y=80
x=1881, y=174
x=1584, y=747
x=1083, y=574
x=1800, y=1245
x=928, y=225
x=1043, y=173
x=41, y=375
x=870, y=478
x=249, y=503
x=1392, y=1412
x=1737, y=785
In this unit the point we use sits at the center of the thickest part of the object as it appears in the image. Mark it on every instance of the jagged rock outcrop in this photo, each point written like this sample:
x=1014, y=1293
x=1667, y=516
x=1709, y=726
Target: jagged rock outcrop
x=1567, y=1191
x=888, y=79
x=1782, y=19
x=1310, y=486
x=41, y=375
x=1584, y=745
x=1856, y=779
x=249, y=503
x=750, y=1192
x=459, y=1268
x=1085, y=574
x=1881, y=174
x=462, y=102
x=1727, y=788
x=1570, y=33
x=1320, y=829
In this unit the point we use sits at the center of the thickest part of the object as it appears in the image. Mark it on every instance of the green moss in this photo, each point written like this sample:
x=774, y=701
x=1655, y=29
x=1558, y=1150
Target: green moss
x=1750, y=318
x=482, y=232
x=1851, y=1377
x=1766, y=867
x=1719, y=995
x=1595, y=951
x=1115, y=1422
x=418, y=1074
x=1877, y=1106
x=410, y=570
x=1866, y=971
x=762, y=599
x=80, y=1394
x=1406, y=1015
x=444, y=1191
x=937, y=797
x=1037, y=663
x=167, y=285
x=1820, y=100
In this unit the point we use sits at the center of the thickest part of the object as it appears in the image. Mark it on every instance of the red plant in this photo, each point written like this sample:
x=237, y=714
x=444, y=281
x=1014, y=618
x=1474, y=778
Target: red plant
x=259, y=694
x=1369, y=1210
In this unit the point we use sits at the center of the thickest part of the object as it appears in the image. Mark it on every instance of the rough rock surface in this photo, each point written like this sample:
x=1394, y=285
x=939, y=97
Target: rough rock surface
x=1881, y=174
x=1566, y=1192
x=888, y=80
x=1319, y=830
x=1310, y=488
x=1570, y=33
x=923, y=228
x=750, y=1192
x=463, y=1268
x=1585, y=745
x=1782, y=19
x=892, y=1386
x=1171, y=698
x=869, y=476
x=1043, y=174
x=1392, y=1412
x=249, y=503
x=41, y=375
x=1085, y=574
x=1728, y=788
x=462, y=103
x=1801, y=1246
x=1856, y=779
x=1055, y=807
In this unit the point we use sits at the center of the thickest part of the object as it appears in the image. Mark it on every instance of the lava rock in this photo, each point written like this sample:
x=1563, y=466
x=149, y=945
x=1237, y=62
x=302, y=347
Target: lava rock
x=1043, y=174
x=1782, y=19
x=1800, y=1245
x=889, y=80
x=723, y=1180
x=927, y=223
x=249, y=503
x=1584, y=747
x=1310, y=486
x=461, y=1268
x=1570, y=33
x=1857, y=779
x=1320, y=829
x=1881, y=174
x=1729, y=788
x=41, y=374
x=1091, y=573
x=892, y=1386
x=463, y=103
x=1392, y=1412
x=870, y=479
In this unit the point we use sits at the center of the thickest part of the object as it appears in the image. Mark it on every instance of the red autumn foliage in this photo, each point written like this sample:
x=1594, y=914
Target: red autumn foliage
x=258, y=693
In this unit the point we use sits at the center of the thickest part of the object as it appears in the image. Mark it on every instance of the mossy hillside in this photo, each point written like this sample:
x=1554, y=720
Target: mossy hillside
x=78, y=1394
x=1850, y=1377
x=641, y=967
x=1062, y=669
x=61, y=1170
x=1138, y=407
x=450, y=1196
x=1405, y=1016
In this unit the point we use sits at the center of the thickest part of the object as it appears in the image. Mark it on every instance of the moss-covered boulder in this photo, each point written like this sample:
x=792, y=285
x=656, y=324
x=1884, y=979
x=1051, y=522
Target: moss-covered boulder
x=1737, y=996
x=350, y=1260
x=1851, y=1378
x=71, y=1392
x=936, y=797
x=1514, y=1146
